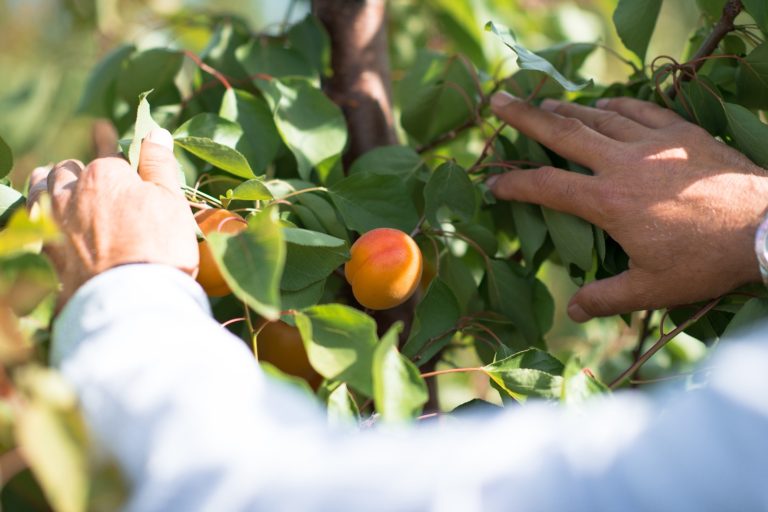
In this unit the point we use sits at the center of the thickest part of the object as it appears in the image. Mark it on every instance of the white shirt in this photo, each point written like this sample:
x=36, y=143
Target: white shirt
x=195, y=425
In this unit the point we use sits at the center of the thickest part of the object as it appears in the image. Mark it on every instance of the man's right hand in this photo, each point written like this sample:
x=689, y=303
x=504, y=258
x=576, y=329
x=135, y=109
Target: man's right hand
x=684, y=206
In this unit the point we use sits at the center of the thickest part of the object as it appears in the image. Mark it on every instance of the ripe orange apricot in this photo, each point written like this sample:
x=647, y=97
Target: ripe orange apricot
x=211, y=221
x=280, y=344
x=384, y=268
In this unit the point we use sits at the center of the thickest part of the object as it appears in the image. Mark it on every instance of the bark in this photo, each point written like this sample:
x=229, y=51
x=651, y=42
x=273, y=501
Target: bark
x=361, y=83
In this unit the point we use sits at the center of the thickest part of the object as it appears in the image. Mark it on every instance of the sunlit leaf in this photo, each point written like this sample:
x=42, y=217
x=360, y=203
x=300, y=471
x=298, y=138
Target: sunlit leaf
x=342, y=409
x=748, y=132
x=635, y=21
x=144, y=125
x=252, y=262
x=526, y=59
x=399, y=391
x=214, y=139
x=340, y=342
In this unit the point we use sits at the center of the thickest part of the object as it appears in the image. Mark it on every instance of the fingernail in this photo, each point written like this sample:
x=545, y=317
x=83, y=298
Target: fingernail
x=577, y=313
x=162, y=137
x=550, y=105
x=501, y=99
x=602, y=103
x=491, y=181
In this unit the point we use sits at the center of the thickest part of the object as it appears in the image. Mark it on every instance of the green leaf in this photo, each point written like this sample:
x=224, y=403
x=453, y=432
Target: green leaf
x=54, y=439
x=755, y=310
x=758, y=9
x=399, y=391
x=10, y=201
x=711, y=8
x=303, y=298
x=449, y=187
x=438, y=95
x=144, y=125
x=252, y=261
x=325, y=213
x=531, y=229
x=459, y=21
x=98, y=99
x=309, y=38
x=458, y=276
x=25, y=280
x=297, y=383
x=368, y=201
x=434, y=322
x=153, y=69
x=748, y=132
x=341, y=408
x=572, y=236
x=311, y=125
x=310, y=257
x=531, y=372
x=513, y=296
x=704, y=105
x=340, y=342
x=259, y=142
x=567, y=58
x=270, y=57
x=635, y=21
x=251, y=190
x=401, y=161
x=214, y=139
x=752, y=78
x=25, y=232
x=6, y=158
x=579, y=383
x=526, y=59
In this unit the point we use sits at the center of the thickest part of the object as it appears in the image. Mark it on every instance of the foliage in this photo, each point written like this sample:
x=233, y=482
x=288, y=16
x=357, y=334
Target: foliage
x=254, y=132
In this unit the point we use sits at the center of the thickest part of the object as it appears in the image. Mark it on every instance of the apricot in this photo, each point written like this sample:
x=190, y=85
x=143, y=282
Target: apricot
x=211, y=221
x=280, y=344
x=384, y=268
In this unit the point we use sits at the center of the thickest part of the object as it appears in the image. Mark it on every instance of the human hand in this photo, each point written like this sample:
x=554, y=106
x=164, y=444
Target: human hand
x=111, y=216
x=683, y=206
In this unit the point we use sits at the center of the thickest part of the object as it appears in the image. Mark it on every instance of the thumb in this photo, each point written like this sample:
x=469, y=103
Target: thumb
x=623, y=293
x=156, y=161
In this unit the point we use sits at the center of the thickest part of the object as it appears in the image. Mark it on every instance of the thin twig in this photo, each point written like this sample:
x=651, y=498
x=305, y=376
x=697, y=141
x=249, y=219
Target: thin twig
x=721, y=29
x=642, y=334
x=663, y=340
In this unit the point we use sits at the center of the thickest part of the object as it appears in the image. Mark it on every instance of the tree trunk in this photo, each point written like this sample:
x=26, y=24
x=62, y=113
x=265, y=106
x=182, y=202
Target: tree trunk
x=361, y=83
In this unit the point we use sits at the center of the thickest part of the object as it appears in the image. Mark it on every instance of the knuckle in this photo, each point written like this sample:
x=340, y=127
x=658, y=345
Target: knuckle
x=606, y=121
x=544, y=177
x=567, y=128
x=595, y=304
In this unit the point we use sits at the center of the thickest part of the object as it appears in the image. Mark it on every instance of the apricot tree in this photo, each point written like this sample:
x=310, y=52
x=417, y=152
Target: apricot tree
x=297, y=129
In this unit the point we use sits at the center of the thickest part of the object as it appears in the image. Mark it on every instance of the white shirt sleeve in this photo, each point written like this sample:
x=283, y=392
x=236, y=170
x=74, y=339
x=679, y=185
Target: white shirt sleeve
x=195, y=425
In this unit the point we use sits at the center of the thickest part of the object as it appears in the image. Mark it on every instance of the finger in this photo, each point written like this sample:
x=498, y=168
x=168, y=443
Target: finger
x=554, y=188
x=623, y=293
x=61, y=182
x=104, y=137
x=609, y=123
x=567, y=136
x=157, y=163
x=644, y=112
x=38, y=183
x=63, y=175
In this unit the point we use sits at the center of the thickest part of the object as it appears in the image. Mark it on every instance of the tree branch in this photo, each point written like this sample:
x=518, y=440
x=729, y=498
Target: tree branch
x=721, y=29
x=360, y=84
x=665, y=338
